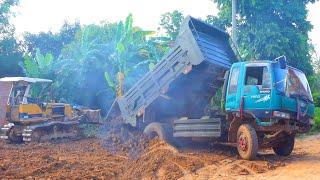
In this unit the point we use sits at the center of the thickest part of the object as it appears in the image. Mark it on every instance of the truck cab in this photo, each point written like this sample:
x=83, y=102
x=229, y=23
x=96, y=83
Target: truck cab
x=273, y=100
x=270, y=95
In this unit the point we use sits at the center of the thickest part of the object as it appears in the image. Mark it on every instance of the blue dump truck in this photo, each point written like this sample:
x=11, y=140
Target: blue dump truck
x=264, y=103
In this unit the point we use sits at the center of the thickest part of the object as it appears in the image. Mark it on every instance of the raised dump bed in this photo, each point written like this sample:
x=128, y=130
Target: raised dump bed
x=182, y=84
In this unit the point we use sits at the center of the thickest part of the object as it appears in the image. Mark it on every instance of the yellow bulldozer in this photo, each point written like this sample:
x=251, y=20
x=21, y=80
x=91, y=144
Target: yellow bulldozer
x=25, y=118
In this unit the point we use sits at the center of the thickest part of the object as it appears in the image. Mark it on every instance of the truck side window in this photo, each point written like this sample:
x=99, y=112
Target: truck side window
x=234, y=78
x=259, y=76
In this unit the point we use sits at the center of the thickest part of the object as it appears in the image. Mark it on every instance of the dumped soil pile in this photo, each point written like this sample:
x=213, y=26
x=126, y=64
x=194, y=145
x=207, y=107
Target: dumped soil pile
x=120, y=138
x=89, y=159
x=163, y=161
x=78, y=159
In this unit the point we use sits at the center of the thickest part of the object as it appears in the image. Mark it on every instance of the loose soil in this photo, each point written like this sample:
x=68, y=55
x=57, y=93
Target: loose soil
x=139, y=158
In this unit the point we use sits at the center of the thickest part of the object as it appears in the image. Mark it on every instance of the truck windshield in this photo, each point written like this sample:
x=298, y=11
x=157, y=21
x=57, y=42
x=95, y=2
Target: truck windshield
x=297, y=85
x=292, y=82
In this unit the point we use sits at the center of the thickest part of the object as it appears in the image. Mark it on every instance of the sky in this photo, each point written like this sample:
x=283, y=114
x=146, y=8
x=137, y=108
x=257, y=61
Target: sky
x=44, y=15
x=41, y=15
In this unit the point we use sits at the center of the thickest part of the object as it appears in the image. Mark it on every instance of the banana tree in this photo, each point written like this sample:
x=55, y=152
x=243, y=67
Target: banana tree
x=130, y=47
x=41, y=66
x=82, y=62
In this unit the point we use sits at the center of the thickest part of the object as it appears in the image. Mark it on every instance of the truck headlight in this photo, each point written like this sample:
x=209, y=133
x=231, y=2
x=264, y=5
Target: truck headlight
x=280, y=114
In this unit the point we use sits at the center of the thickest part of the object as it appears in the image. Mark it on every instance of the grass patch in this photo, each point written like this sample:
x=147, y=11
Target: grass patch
x=316, y=126
x=317, y=118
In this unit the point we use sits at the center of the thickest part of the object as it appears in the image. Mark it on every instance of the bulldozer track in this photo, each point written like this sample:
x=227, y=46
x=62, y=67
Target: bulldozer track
x=51, y=132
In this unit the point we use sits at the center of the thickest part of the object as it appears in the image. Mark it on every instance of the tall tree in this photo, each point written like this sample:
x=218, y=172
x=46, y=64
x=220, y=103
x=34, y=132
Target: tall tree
x=81, y=66
x=171, y=22
x=129, y=53
x=10, y=54
x=6, y=29
x=49, y=42
x=268, y=29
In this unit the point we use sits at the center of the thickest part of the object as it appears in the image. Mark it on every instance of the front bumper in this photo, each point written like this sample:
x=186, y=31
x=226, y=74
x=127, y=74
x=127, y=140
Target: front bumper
x=286, y=125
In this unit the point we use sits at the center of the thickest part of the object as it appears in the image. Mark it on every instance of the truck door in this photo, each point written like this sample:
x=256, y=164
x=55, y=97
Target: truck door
x=233, y=90
x=257, y=89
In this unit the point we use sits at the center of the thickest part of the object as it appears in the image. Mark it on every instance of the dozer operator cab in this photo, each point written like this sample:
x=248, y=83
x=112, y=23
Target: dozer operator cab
x=15, y=96
x=270, y=93
x=22, y=88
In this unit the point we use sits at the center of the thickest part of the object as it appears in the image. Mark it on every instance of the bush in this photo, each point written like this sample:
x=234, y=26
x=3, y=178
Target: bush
x=316, y=98
x=316, y=126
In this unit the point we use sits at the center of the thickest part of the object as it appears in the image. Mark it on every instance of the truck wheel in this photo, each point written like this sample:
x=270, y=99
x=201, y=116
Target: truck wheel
x=247, y=142
x=156, y=130
x=285, y=147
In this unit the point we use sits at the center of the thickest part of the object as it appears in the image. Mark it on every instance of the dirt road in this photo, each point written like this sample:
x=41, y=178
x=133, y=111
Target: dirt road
x=90, y=158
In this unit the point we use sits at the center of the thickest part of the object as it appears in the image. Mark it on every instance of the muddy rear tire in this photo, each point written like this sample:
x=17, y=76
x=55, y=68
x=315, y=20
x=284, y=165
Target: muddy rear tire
x=285, y=147
x=159, y=130
x=247, y=142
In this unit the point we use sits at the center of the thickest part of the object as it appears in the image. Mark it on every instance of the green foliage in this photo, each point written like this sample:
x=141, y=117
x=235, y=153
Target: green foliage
x=6, y=30
x=316, y=98
x=155, y=48
x=316, y=126
x=216, y=99
x=49, y=42
x=80, y=69
x=10, y=53
x=92, y=59
x=171, y=22
x=129, y=52
x=40, y=66
x=268, y=29
x=217, y=22
x=314, y=82
x=10, y=58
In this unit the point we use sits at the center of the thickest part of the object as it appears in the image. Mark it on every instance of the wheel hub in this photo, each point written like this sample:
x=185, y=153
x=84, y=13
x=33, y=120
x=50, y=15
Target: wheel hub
x=243, y=142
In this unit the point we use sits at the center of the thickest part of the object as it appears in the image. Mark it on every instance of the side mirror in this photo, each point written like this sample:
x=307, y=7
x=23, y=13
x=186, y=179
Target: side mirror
x=282, y=60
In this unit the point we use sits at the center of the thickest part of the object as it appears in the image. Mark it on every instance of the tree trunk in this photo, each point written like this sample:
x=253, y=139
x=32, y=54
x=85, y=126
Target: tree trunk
x=120, y=85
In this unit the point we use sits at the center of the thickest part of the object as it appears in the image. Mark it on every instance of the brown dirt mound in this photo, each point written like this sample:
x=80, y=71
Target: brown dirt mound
x=80, y=159
x=122, y=139
x=88, y=158
x=98, y=159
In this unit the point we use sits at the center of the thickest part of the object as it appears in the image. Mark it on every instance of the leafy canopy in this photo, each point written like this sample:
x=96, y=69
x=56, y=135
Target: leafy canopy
x=10, y=51
x=268, y=29
x=171, y=22
x=48, y=42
